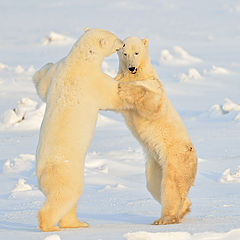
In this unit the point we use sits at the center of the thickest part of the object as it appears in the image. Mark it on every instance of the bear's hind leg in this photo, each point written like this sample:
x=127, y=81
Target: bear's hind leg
x=70, y=220
x=186, y=208
x=174, y=192
x=154, y=178
x=62, y=193
x=57, y=205
x=53, y=209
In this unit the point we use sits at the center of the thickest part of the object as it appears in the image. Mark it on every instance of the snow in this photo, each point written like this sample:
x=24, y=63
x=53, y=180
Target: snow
x=156, y=236
x=2, y=66
x=231, y=235
x=228, y=177
x=22, y=186
x=22, y=163
x=194, y=47
x=53, y=237
x=217, y=71
x=228, y=107
x=116, y=187
x=57, y=39
x=108, y=70
x=25, y=116
x=192, y=76
x=180, y=57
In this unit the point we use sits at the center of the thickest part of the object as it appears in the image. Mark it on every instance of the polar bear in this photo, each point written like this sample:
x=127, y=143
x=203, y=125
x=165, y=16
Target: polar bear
x=171, y=157
x=75, y=89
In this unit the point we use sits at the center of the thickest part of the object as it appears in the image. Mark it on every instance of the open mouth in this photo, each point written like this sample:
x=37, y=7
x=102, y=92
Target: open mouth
x=133, y=71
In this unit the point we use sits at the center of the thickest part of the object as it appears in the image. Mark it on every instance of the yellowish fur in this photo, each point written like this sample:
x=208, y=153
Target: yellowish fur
x=75, y=89
x=171, y=157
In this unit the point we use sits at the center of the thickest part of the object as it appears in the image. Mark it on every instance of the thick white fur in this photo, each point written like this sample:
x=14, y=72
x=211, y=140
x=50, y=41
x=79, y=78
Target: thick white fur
x=171, y=158
x=75, y=89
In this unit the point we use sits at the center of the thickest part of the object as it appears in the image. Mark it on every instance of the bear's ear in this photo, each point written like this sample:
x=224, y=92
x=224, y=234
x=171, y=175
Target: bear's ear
x=86, y=29
x=103, y=42
x=145, y=42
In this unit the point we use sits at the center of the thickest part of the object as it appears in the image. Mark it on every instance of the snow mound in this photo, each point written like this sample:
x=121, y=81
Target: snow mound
x=217, y=71
x=108, y=70
x=231, y=235
x=53, y=237
x=228, y=177
x=23, y=190
x=216, y=109
x=22, y=186
x=227, y=107
x=103, y=121
x=192, y=76
x=19, y=69
x=57, y=39
x=237, y=118
x=17, y=75
x=2, y=66
x=95, y=166
x=26, y=116
x=113, y=187
x=31, y=69
x=158, y=236
x=180, y=57
x=200, y=160
x=237, y=8
x=24, y=162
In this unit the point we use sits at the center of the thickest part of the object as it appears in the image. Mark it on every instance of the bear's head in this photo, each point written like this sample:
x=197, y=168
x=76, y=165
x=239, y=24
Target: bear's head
x=102, y=42
x=133, y=53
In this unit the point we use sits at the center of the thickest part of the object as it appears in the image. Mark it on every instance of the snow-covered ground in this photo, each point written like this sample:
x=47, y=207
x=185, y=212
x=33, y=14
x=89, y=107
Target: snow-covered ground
x=194, y=46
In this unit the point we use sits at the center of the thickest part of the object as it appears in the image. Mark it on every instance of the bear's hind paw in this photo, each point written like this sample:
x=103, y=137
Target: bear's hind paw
x=74, y=225
x=49, y=229
x=166, y=220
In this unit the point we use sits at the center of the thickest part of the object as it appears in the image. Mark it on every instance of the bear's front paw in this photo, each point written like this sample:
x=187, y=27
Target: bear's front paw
x=130, y=92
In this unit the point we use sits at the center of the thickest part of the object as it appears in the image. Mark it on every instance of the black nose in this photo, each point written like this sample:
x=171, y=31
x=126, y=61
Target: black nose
x=131, y=69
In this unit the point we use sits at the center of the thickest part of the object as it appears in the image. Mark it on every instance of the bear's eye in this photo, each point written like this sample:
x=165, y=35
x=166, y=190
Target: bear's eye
x=125, y=54
x=123, y=45
x=136, y=53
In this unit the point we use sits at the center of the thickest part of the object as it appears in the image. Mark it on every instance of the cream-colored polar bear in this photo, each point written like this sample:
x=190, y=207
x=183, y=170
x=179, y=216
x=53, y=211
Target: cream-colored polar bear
x=75, y=89
x=171, y=158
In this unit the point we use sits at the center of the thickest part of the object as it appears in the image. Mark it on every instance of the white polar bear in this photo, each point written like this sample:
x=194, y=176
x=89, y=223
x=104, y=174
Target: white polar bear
x=75, y=89
x=171, y=158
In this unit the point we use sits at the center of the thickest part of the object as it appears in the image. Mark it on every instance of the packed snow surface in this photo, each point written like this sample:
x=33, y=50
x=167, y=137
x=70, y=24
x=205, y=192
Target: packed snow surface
x=194, y=47
x=231, y=235
x=53, y=237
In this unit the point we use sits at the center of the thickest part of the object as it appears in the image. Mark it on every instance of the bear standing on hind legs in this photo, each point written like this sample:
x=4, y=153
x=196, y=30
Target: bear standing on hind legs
x=75, y=89
x=171, y=157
